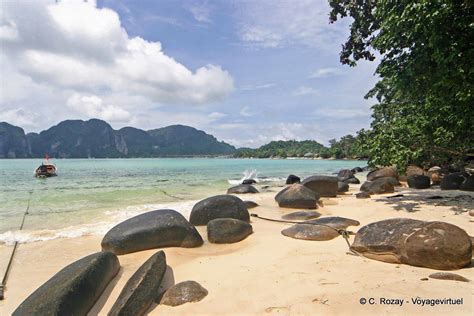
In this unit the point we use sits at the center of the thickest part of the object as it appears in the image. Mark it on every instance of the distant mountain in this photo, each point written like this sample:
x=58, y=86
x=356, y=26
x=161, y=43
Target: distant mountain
x=283, y=149
x=96, y=138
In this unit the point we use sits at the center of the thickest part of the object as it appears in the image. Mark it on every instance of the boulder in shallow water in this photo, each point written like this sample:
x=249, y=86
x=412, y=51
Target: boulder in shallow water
x=453, y=181
x=325, y=186
x=342, y=187
x=249, y=181
x=419, y=182
x=142, y=289
x=242, y=189
x=301, y=216
x=468, y=184
x=227, y=230
x=184, y=292
x=219, y=206
x=297, y=196
x=292, y=179
x=382, y=173
x=155, y=229
x=73, y=290
x=250, y=204
x=435, y=245
x=379, y=186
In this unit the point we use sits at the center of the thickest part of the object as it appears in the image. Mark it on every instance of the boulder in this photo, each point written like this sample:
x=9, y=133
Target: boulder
x=335, y=221
x=292, y=179
x=357, y=169
x=362, y=195
x=414, y=171
x=250, y=204
x=242, y=189
x=142, y=289
x=155, y=229
x=301, y=216
x=310, y=232
x=435, y=245
x=325, y=186
x=345, y=173
x=73, y=290
x=352, y=180
x=468, y=184
x=184, y=292
x=448, y=276
x=227, y=230
x=219, y=206
x=342, y=187
x=249, y=181
x=452, y=181
x=379, y=186
x=381, y=173
x=297, y=196
x=435, y=174
x=419, y=182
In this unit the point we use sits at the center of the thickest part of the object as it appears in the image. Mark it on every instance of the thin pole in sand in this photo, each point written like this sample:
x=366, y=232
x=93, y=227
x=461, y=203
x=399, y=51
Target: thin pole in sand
x=15, y=246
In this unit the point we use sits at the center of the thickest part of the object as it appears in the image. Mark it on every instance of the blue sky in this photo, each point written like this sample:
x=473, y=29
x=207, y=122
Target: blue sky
x=247, y=72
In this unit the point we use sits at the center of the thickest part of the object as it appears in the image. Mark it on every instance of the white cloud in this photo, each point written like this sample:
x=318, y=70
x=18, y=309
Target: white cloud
x=246, y=111
x=258, y=86
x=52, y=52
x=325, y=72
x=217, y=115
x=305, y=90
x=200, y=11
x=280, y=23
x=93, y=106
x=19, y=117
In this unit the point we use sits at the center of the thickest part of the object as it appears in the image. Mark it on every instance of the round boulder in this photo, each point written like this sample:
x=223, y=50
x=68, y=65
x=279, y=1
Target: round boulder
x=342, y=187
x=352, y=180
x=184, y=292
x=419, y=181
x=292, y=179
x=325, y=186
x=249, y=181
x=297, y=196
x=414, y=171
x=452, y=181
x=381, y=173
x=242, y=189
x=219, y=206
x=155, y=229
x=378, y=186
x=227, y=230
x=345, y=173
x=435, y=174
x=468, y=184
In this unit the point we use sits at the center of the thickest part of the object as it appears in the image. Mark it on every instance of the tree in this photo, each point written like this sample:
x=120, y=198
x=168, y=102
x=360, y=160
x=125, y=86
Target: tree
x=425, y=103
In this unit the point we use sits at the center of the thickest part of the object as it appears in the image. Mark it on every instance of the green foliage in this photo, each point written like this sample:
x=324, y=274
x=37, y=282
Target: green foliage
x=425, y=106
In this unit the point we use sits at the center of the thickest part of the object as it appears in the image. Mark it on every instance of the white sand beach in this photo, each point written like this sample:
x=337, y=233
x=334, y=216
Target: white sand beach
x=270, y=274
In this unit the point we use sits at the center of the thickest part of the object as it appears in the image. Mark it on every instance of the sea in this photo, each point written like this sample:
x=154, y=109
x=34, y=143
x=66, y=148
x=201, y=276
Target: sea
x=89, y=196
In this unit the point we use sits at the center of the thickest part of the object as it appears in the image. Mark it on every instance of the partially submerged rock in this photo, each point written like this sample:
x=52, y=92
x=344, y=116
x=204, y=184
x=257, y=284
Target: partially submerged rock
x=297, y=196
x=242, y=189
x=219, y=206
x=142, y=289
x=324, y=186
x=448, y=276
x=184, y=292
x=155, y=229
x=301, y=216
x=435, y=245
x=73, y=290
x=227, y=230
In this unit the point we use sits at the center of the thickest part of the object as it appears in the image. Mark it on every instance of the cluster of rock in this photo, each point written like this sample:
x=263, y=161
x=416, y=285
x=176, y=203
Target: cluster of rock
x=75, y=289
x=419, y=178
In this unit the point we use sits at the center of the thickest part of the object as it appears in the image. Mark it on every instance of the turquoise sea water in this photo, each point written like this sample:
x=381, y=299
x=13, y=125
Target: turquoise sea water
x=91, y=192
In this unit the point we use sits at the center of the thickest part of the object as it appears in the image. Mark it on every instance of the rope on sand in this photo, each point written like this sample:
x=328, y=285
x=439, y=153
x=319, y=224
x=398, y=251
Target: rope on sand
x=15, y=246
x=343, y=232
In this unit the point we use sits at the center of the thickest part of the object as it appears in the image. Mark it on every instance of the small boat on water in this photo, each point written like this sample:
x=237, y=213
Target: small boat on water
x=46, y=169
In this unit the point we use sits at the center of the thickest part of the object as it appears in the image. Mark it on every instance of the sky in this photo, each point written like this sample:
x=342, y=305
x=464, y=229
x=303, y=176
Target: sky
x=247, y=72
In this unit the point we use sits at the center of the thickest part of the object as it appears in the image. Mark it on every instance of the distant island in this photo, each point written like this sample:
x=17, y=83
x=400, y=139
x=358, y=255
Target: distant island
x=97, y=139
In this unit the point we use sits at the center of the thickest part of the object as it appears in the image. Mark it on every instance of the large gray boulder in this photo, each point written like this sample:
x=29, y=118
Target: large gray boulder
x=325, y=186
x=379, y=186
x=155, y=229
x=297, y=196
x=468, y=184
x=419, y=181
x=184, y=292
x=342, y=187
x=453, y=181
x=435, y=245
x=142, y=289
x=219, y=206
x=227, y=230
x=413, y=170
x=73, y=290
x=242, y=189
x=381, y=173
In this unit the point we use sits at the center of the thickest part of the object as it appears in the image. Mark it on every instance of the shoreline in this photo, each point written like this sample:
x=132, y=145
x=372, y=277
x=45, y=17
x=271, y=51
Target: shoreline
x=280, y=275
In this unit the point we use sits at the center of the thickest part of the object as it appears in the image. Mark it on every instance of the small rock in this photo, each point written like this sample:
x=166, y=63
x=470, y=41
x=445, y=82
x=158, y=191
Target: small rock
x=184, y=292
x=345, y=173
x=342, y=187
x=292, y=179
x=227, y=230
x=448, y=276
x=471, y=213
x=249, y=181
x=363, y=195
x=352, y=180
x=242, y=189
x=301, y=216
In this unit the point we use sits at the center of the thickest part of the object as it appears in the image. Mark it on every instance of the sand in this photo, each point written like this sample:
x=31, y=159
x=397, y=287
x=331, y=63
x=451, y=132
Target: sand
x=270, y=274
